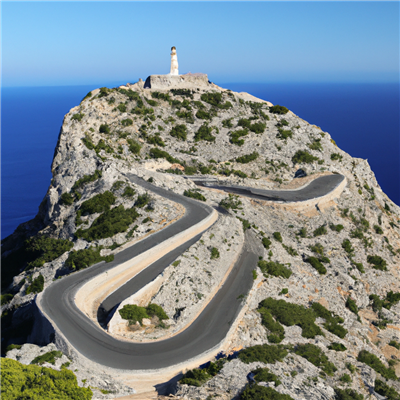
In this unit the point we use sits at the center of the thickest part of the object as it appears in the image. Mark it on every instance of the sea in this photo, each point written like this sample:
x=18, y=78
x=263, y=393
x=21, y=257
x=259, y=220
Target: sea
x=363, y=119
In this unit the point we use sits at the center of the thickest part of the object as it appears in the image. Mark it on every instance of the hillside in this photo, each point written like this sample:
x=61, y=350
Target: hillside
x=322, y=317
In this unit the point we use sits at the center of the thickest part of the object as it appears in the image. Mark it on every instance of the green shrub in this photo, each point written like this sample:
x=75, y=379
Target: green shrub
x=274, y=269
x=13, y=346
x=316, y=263
x=284, y=291
x=196, y=377
x=104, y=128
x=377, y=262
x=336, y=228
x=277, y=236
x=80, y=259
x=277, y=332
x=134, y=147
x=315, y=356
x=215, y=99
x=156, y=140
x=86, y=179
x=182, y=92
x=347, y=394
x=67, y=199
x=194, y=194
x=317, y=248
x=190, y=170
x=278, y=109
x=359, y=266
x=337, y=347
x=142, y=200
x=201, y=114
x=254, y=272
x=320, y=231
x=290, y=314
x=351, y=305
x=348, y=248
x=332, y=322
x=98, y=203
x=104, y=92
x=303, y=232
x=336, y=156
x=122, y=107
x=265, y=353
x=385, y=390
x=214, y=253
x=345, y=378
x=375, y=363
x=204, y=133
x=230, y=202
x=128, y=192
x=157, y=153
x=284, y=134
x=247, y=158
x=394, y=344
x=378, y=229
x=127, y=122
x=87, y=96
x=227, y=123
x=236, y=135
x=179, y=132
x=256, y=392
x=258, y=127
x=263, y=375
x=108, y=224
x=87, y=141
x=6, y=298
x=77, y=117
x=290, y=250
x=266, y=242
x=303, y=156
x=36, y=286
x=315, y=145
x=239, y=173
x=49, y=357
x=133, y=313
x=21, y=381
x=156, y=310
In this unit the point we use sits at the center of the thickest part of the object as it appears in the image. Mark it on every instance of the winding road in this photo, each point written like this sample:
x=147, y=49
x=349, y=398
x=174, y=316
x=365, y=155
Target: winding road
x=211, y=326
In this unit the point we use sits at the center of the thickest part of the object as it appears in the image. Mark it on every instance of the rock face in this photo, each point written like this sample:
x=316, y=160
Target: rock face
x=167, y=136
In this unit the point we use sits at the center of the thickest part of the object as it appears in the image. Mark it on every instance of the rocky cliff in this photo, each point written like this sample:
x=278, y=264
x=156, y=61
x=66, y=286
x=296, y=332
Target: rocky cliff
x=335, y=260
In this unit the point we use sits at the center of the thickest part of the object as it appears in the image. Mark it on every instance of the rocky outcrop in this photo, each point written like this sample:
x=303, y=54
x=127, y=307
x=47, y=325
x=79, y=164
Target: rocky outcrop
x=167, y=137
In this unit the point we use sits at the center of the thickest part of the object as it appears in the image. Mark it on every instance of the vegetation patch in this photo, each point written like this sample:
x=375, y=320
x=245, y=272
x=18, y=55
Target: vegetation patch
x=157, y=153
x=317, y=264
x=265, y=353
x=204, y=133
x=247, y=158
x=303, y=157
x=337, y=347
x=315, y=356
x=385, y=390
x=34, y=382
x=194, y=194
x=134, y=313
x=230, y=202
x=196, y=377
x=351, y=305
x=215, y=99
x=377, y=262
x=256, y=392
x=49, y=357
x=134, y=146
x=97, y=204
x=263, y=375
x=80, y=259
x=375, y=363
x=108, y=224
x=266, y=242
x=320, y=231
x=332, y=322
x=179, y=132
x=274, y=269
x=77, y=117
x=142, y=200
x=80, y=183
x=214, y=253
x=237, y=135
x=278, y=109
x=36, y=285
x=347, y=394
x=290, y=314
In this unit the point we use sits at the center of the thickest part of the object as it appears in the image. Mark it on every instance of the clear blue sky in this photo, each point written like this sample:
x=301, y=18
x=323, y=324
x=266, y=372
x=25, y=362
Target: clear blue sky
x=67, y=43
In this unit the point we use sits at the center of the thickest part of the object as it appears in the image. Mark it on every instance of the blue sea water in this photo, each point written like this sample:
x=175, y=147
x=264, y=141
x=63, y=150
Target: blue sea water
x=362, y=118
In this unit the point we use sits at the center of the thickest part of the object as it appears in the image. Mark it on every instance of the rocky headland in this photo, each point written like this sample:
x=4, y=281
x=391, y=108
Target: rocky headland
x=322, y=320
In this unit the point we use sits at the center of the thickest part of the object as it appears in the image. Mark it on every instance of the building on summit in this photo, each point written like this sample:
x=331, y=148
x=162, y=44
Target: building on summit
x=174, y=62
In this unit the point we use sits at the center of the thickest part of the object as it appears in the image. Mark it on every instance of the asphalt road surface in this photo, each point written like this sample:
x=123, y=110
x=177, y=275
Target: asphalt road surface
x=317, y=188
x=205, y=332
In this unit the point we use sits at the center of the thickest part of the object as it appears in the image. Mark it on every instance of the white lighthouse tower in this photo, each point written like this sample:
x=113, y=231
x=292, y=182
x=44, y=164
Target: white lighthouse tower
x=174, y=62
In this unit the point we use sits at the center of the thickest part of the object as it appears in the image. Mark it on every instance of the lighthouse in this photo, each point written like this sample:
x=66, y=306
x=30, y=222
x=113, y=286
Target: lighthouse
x=174, y=62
